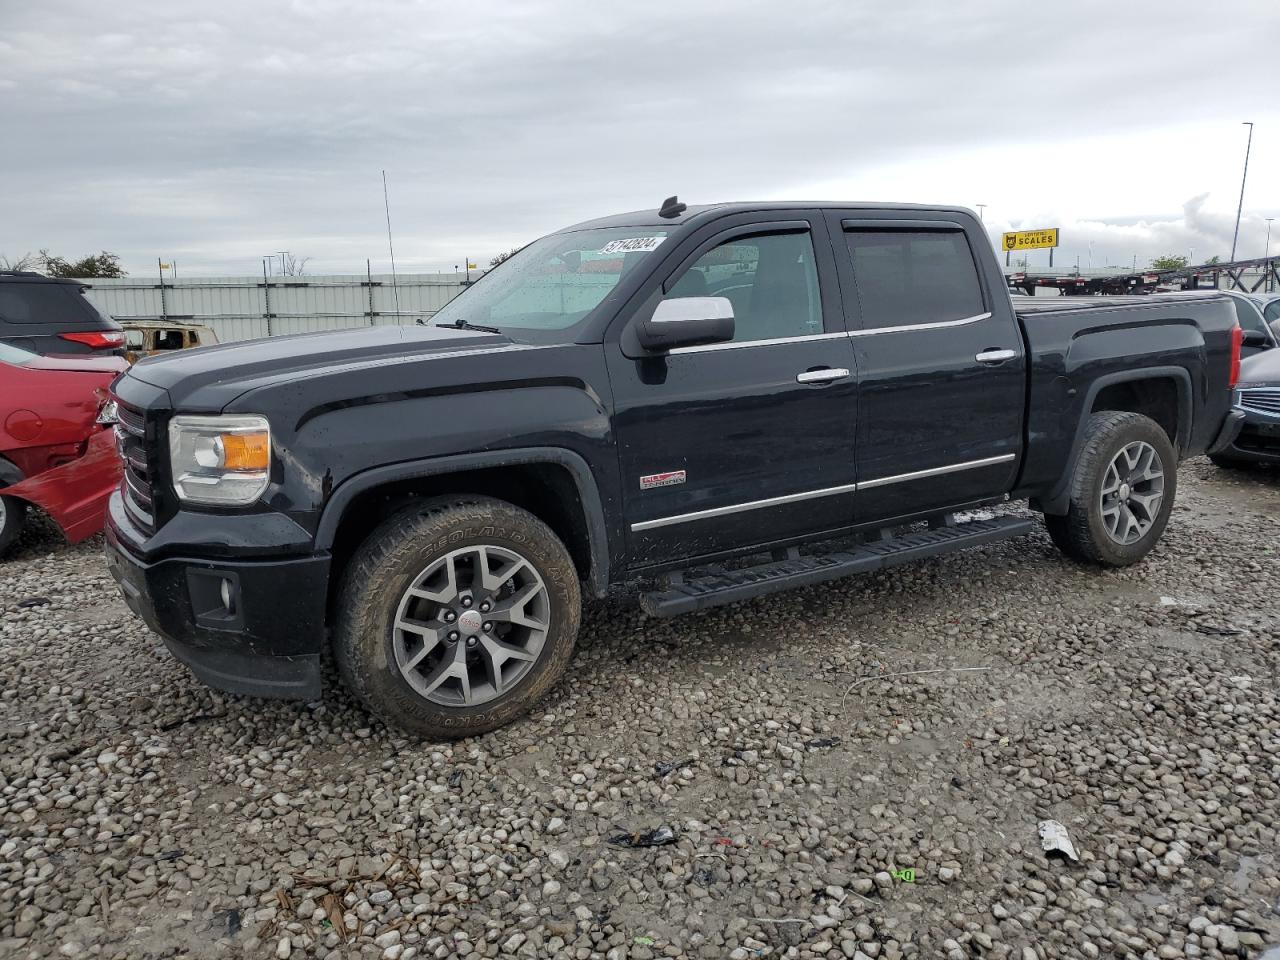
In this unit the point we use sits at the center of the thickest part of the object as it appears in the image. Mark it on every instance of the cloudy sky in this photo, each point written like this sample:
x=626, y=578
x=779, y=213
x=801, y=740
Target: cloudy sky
x=214, y=133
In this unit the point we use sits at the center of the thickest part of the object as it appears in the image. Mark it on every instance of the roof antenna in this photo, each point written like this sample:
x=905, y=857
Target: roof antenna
x=672, y=207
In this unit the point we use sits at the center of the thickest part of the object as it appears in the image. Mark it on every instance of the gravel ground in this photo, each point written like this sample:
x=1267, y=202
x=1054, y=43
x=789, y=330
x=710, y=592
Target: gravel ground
x=828, y=799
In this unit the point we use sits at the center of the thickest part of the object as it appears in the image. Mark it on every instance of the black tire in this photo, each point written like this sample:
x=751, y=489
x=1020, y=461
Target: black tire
x=1082, y=533
x=392, y=559
x=13, y=517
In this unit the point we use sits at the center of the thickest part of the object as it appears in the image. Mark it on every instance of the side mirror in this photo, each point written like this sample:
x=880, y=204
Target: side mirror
x=687, y=322
x=1255, y=338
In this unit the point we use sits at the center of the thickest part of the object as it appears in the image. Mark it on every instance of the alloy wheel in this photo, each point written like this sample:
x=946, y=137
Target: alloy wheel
x=470, y=627
x=1132, y=492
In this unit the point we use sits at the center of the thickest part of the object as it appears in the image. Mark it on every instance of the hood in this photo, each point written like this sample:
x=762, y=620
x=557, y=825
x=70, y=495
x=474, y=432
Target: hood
x=76, y=363
x=1261, y=369
x=214, y=376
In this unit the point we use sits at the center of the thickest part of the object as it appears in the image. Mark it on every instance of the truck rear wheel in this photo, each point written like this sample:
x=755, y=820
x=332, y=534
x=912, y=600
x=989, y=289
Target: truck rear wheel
x=13, y=516
x=456, y=616
x=1121, y=493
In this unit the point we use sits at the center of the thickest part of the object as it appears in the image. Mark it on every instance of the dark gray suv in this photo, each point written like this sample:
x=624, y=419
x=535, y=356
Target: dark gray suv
x=50, y=316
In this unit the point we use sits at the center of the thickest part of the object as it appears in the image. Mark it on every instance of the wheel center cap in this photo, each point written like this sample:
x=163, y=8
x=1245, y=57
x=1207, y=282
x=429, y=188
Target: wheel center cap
x=1124, y=491
x=471, y=621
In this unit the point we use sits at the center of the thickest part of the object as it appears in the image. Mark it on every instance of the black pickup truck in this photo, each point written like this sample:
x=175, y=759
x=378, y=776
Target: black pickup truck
x=701, y=400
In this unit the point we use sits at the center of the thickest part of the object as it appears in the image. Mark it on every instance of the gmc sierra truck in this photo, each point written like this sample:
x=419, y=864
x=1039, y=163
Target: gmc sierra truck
x=698, y=399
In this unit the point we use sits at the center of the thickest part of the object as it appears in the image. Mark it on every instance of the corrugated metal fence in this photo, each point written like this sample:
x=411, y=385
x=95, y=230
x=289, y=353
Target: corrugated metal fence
x=246, y=308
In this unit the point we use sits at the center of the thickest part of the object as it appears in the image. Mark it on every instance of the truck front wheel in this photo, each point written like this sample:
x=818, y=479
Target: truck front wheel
x=1121, y=493
x=456, y=616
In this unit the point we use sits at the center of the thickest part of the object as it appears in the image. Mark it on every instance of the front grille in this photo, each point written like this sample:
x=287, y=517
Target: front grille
x=138, y=459
x=1261, y=400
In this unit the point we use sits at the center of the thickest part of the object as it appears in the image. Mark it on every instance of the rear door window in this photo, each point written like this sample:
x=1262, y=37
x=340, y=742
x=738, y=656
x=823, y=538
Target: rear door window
x=169, y=340
x=911, y=277
x=55, y=303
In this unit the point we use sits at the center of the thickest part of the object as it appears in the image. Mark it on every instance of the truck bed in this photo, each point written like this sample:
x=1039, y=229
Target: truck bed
x=1088, y=348
x=1028, y=306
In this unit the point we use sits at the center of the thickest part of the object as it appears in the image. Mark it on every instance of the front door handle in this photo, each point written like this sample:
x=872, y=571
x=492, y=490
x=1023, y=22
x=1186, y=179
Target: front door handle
x=994, y=356
x=823, y=375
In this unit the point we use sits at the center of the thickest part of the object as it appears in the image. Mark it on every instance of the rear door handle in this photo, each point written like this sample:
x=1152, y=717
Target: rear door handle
x=823, y=375
x=994, y=356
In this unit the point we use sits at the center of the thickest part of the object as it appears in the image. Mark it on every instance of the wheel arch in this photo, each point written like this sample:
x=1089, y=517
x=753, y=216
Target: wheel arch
x=1124, y=391
x=554, y=484
x=9, y=473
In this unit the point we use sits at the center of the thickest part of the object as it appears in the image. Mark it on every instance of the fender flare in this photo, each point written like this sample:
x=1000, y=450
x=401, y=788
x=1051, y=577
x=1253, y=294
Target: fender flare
x=1056, y=503
x=584, y=481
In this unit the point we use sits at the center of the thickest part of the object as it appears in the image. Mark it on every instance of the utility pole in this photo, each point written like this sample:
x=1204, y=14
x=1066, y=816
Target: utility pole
x=395, y=287
x=266, y=296
x=164, y=306
x=1269, y=268
x=1244, y=176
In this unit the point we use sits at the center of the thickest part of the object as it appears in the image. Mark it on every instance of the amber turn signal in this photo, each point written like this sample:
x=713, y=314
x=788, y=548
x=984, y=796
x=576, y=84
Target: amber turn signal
x=245, y=451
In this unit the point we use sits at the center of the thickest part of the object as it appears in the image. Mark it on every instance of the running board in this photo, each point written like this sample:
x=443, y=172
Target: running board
x=684, y=595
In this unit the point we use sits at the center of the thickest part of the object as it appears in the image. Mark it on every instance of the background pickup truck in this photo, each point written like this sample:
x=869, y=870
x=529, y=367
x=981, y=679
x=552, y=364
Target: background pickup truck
x=638, y=398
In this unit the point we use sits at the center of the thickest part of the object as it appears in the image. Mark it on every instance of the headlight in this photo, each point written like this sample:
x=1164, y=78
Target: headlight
x=220, y=460
x=109, y=413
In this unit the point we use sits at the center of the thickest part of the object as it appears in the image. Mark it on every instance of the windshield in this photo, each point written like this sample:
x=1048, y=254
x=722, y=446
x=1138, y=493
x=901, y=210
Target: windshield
x=15, y=356
x=553, y=283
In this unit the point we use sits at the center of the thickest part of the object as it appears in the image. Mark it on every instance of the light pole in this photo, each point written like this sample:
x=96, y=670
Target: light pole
x=1244, y=176
x=1267, y=255
x=981, y=210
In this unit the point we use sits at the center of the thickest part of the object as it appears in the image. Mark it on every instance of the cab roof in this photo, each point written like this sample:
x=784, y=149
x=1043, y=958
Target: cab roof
x=698, y=213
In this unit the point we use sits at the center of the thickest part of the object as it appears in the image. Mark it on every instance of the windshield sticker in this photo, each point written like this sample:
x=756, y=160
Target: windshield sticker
x=632, y=245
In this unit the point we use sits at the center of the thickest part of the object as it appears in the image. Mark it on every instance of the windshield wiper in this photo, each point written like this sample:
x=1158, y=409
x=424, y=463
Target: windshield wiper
x=461, y=324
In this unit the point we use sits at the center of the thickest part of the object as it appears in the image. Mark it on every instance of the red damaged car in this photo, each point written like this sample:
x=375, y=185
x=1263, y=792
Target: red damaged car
x=57, y=448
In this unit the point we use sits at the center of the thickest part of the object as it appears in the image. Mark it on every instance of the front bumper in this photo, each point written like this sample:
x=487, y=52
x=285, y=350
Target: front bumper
x=1257, y=439
x=266, y=642
x=1227, y=435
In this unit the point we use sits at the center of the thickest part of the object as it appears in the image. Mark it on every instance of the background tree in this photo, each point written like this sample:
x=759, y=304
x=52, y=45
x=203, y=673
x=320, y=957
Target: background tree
x=504, y=256
x=291, y=266
x=28, y=261
x=104, y=265
x=1214, y=259
x=1169, y=262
